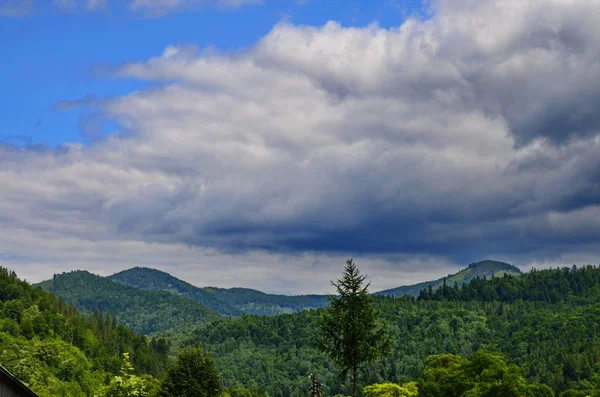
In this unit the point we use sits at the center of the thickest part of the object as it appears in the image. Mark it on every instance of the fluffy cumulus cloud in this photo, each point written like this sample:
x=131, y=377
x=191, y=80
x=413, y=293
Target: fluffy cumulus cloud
x=471, y=134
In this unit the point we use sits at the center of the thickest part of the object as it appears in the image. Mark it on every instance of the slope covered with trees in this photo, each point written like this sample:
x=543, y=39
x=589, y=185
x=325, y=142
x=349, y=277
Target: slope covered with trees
x=482, y=269
x=58, y=352
x=225, y=301
x=145, y=312
x=251, y=301
x=555, y=342
x=155, y=280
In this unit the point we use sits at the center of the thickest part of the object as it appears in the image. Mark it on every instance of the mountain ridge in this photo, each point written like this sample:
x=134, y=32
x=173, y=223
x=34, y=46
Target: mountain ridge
x=145, y=312
x=485, y=268
x=143, y=287
x=232, y=302
x=156, y=280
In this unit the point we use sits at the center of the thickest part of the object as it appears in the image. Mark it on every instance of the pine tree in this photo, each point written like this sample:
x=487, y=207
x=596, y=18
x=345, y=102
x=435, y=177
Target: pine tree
x=351, y=331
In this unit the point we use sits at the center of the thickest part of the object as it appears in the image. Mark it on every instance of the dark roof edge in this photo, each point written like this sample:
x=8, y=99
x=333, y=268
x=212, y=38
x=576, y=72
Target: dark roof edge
x=16, y=382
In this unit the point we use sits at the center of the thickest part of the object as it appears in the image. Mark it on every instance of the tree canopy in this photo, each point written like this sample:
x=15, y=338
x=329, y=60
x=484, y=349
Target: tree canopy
x=193, y=375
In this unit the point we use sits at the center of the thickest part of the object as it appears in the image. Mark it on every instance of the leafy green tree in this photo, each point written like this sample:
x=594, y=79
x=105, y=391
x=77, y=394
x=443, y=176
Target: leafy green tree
x=193, y=375
x=391, y=390
x=444, y=375
x=351, y=332
x=242, y=392
x=484, y=375
x=128, y=384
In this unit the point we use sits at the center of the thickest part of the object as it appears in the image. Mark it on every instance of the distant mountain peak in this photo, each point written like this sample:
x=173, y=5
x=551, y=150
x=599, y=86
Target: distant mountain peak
x=225, y=301
x=497, y=264
x=485, y=268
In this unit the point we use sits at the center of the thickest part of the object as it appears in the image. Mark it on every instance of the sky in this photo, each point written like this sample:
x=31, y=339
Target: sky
x=261, y=143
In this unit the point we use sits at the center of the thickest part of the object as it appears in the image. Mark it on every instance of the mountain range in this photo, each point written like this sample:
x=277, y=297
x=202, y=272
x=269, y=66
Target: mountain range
x=225, y=301
x=152, y=302
x=145, y=312
x=543, y=321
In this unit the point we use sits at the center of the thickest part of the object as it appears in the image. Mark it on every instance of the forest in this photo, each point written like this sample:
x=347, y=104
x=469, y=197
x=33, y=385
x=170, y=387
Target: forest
x=232, y=302
x=537, y=334
x=544, y=322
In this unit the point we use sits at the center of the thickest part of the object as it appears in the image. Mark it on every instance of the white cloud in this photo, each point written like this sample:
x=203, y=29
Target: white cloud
x=438, y=143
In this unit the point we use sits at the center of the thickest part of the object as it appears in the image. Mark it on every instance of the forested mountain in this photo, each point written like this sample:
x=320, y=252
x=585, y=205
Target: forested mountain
x=145, y=312
x=546, y=322
x=231, y=302
x=251, y=301
x=225, y=301
x=155, y=280
x=58, y=352
x=483, y=269
x=236, y=301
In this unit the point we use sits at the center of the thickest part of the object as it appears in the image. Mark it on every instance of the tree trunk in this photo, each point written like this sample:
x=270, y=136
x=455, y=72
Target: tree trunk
x=354, y=389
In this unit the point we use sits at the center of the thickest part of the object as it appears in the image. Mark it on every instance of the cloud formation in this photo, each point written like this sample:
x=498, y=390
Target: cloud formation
x=471, y=134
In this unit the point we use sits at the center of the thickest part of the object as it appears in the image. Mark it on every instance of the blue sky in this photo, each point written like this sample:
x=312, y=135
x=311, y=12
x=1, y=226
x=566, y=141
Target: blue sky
x=57, y=54
x=415, y=139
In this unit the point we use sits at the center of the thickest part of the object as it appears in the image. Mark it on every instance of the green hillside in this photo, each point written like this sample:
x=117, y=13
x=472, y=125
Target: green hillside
x=251, y=301
x=233, y=302
x=487, y=268
x=155, y=280
x=225, y=301
x=145, y=312
x=546, y=322
x=58, y=352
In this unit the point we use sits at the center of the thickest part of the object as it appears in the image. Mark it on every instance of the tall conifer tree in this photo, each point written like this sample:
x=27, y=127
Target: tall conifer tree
x=351, y=330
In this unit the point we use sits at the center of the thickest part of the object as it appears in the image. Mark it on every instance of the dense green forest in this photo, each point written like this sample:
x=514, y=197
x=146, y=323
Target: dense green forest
x=58, y=352
x=482, y=269
x=155, y=280
x=145, y=312
x=137, y=309
x=540, y=328
x=225, y=301
x=251, y=301
x=550, y=328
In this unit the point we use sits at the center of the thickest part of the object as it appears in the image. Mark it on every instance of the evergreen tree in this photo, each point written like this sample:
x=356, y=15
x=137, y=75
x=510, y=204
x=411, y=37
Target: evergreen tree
x=351, y=331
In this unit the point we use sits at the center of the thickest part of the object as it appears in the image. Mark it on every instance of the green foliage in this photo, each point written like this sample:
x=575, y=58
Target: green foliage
x=127, y=384
x=250, y=301
x=242, y=392
x=155, y=280
x=231, y=302
x=193, y=375
x=556, y=344
x=145, y=312
x=484, y=375
x=550, y=286
x=351, y=332
x=58, y=352
x=391, y=390
x=474, y=270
